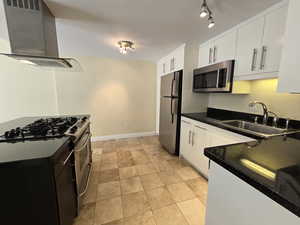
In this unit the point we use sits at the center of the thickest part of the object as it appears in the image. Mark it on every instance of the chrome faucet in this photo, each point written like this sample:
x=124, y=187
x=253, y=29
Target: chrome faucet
x=275, y=118
x=265, y=109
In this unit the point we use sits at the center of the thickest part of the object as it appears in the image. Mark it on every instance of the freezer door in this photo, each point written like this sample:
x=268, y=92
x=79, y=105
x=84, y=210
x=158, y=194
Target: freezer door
x=166, y=85
x=168, y=123
x=176, y=84
x=170, y=84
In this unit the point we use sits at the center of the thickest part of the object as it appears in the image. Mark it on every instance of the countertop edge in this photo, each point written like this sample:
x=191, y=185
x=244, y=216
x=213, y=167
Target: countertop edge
x=50, y=156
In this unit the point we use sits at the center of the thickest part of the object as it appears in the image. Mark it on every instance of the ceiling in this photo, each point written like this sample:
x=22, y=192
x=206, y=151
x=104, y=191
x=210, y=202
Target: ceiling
x=93, y=27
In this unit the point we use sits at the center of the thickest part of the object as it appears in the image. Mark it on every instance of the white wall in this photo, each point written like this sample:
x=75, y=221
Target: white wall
x=25, y=90
x=191, y=102
x=285, y=105
x=120, y=95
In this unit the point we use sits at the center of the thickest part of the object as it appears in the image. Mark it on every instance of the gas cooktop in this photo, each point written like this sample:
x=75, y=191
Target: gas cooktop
x=40, y=129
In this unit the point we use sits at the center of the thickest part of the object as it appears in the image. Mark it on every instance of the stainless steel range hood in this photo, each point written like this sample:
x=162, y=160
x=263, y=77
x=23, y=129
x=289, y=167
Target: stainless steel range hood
x=28, y=33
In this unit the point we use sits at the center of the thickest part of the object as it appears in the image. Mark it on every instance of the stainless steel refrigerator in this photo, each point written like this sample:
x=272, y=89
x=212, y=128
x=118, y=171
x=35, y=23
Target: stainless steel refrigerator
x=170, y=111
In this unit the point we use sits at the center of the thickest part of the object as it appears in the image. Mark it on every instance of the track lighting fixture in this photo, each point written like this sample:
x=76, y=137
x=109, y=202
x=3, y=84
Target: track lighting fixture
x=204, y=11
x=211, y=22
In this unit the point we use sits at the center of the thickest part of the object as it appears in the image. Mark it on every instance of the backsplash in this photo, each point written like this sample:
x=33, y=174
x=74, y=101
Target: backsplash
x=285, y=105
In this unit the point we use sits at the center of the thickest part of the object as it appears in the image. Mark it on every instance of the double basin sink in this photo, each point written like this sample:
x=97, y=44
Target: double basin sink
x=256, y=129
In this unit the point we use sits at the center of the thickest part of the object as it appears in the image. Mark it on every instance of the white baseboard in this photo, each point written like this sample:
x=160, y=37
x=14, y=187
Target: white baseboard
x=121, y=136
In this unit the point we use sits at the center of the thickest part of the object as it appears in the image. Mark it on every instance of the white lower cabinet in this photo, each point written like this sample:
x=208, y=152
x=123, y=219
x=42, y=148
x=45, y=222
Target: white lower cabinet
x=196, y=136
x=193, y=140
x=231, y=201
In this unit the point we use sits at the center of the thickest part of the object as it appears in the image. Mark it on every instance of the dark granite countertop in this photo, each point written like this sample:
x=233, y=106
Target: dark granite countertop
x=29, y=149
x=272, y=165
x=212, y=120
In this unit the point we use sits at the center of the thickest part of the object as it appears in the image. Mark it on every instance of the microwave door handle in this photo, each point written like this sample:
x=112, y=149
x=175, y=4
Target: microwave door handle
x=218, y=76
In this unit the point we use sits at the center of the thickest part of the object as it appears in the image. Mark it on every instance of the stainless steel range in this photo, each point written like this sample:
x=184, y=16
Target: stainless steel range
x=77, y=127
x=81, y=136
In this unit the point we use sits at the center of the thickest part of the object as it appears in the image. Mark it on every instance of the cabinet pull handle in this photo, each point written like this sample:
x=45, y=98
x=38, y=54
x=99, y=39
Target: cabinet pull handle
x=193, y=135
x=215, y=53
x=202, y=128
x=263, y=57
x=210, y=55
x=254, y=58
x=189, y=137
x=173, y=63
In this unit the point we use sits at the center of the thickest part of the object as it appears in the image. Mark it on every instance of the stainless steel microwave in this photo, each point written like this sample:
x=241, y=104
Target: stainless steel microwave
x=214, y=78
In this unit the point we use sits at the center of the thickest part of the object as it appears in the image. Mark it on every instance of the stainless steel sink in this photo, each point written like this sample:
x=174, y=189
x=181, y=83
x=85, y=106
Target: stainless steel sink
x=257, y=129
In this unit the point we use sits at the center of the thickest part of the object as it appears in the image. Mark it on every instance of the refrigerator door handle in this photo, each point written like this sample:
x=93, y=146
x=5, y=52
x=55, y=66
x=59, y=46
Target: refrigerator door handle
x=172, y=113
x=172, y=87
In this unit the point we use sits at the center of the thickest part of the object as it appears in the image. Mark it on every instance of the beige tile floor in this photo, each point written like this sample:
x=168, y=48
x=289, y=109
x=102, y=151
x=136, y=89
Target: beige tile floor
x=135, y=182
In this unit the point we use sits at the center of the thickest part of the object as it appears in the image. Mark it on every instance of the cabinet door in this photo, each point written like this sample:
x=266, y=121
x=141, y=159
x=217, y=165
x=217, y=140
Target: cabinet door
x=185, y=140
x=165, y=64
x=205, y=55
x=289, y=78
x=179, y=59
x=224, y=47
x=199, y=142
x=173, y=63
x=273, y=40
x=248, y=47
x=66, y=194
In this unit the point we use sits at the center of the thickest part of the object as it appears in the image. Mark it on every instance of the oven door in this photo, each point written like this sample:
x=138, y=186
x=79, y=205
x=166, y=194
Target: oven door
x=83, y=163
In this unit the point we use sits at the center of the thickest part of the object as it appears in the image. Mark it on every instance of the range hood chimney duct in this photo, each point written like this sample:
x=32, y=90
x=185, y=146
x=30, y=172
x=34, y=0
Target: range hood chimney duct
x=29, y=33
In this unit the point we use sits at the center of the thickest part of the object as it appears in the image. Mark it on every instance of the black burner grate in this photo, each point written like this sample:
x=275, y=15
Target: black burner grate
x=40, y=129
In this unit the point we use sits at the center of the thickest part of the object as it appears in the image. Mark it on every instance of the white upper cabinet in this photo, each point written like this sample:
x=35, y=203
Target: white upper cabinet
x=179, y=59
x=256, y=45
x=217, y=50
x=289, y=78
x=272, y=43
x=224, y=47
x=248, y=47
x=259, y=45
x=172, y=62
x=205, y=55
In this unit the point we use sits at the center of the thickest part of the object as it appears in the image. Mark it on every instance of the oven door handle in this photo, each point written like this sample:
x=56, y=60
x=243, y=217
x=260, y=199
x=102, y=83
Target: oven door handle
x=68, y=157
x=87, y=182
x=84, y=145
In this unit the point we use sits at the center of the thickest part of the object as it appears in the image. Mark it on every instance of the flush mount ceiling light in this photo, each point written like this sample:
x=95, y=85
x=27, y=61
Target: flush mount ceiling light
x=125, y=46
x=206, y=11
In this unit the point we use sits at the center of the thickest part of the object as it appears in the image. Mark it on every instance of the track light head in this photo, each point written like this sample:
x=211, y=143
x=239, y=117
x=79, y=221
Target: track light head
x=211, y=22
x=204, y=10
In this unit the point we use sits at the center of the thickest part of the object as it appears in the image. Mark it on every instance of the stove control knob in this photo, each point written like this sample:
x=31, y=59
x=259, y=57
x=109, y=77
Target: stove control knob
x=10, y=134
x=73, y=129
